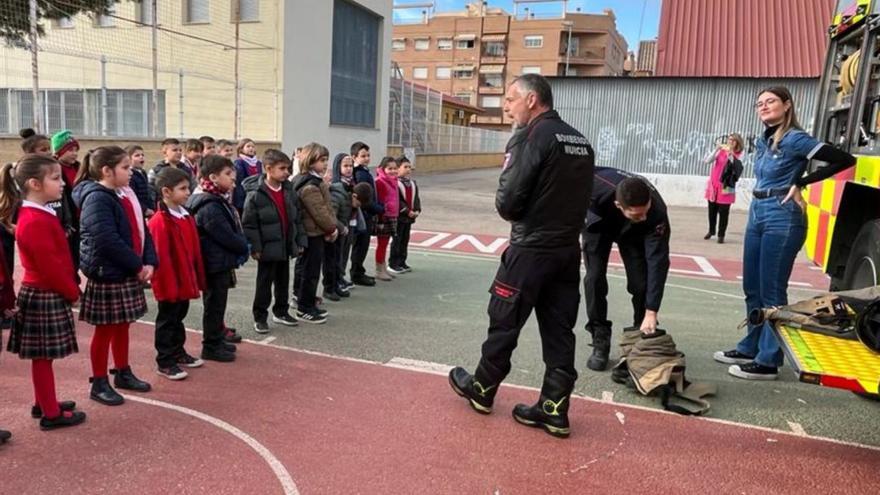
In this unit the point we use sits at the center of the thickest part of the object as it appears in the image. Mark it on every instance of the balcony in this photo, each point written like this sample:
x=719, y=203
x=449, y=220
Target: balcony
x=586, y=55
x=494, y=49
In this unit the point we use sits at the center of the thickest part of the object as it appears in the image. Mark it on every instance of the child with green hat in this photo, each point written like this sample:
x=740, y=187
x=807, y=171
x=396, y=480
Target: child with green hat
x=66, y=150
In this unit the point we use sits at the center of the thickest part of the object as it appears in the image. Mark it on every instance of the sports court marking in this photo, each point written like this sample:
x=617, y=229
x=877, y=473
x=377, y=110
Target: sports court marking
x=277, y=467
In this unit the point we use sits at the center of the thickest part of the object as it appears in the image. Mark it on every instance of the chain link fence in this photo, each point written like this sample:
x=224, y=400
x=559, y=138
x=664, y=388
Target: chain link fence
x=143, y=68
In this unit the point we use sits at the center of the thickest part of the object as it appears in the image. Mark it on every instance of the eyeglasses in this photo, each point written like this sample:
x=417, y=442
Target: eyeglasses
x=766, y=103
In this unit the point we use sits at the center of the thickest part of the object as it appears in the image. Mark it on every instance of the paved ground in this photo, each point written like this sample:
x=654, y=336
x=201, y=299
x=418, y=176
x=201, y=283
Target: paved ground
x=360, y=418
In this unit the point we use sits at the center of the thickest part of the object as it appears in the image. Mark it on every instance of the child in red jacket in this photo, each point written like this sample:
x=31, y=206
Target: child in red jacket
x=181, y=274
x=386, y=223
x=44, y=328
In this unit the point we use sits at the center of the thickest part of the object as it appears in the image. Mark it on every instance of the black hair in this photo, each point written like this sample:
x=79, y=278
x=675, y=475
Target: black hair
x=364, y=193
x=633, y=192
x=357, y=147
x=170, y=141
x=30, y=140
x=170, y=177
x=194, y=145
x=95, y=161
x=273, y=157
x=386, y=160
x=537, y=84
x=131, y=148
x=14, y=177
x=207, y=140
x=402, y=159
x=213, y=164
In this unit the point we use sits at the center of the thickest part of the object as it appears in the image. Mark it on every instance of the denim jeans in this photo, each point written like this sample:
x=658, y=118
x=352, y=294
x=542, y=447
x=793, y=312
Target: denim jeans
x=774, y=235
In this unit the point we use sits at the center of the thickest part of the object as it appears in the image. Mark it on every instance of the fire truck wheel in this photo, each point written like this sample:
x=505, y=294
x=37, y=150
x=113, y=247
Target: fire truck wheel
x=863, y=264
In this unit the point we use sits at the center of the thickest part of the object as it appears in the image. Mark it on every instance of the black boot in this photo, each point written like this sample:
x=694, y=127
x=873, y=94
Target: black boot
x=65, y=405
x=480, y=388
x=102, y=392
x=551, y=411
x=4, y=436
x=75, y=418
x=598, y=361
x=124, y=378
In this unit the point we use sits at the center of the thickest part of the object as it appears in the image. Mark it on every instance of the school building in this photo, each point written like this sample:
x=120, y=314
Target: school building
x=289, y=72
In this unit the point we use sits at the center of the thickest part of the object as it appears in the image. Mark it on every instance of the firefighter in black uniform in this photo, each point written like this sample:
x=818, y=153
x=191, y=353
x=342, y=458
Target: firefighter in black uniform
x=627, y=210
x=543, y=191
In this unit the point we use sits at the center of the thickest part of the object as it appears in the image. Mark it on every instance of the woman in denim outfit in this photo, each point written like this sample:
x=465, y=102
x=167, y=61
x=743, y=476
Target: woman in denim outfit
x=777, y=225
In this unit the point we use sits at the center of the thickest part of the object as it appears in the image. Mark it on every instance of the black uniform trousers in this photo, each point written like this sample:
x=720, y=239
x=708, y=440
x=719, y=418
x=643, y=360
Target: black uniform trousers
x=343, y=252
x=596, y=252
x=400, y=245
x=308, y=271
x=721, y=214
x=546, y=280
x=269, y=274
x=330, y=265
x=214, y=299
x=360, y=248
x=170, y=332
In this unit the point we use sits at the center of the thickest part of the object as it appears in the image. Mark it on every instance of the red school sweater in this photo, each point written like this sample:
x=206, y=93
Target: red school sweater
x=42, y=248
x=181, y=272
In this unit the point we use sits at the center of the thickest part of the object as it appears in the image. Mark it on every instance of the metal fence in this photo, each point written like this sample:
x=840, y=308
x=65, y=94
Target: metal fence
x=415, y=121
x=98, y=75
x=667, y=125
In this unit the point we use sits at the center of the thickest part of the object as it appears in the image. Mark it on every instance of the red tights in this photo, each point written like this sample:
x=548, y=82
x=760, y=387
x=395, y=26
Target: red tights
x=382, y=248
x=106, y=336
x=44, y=387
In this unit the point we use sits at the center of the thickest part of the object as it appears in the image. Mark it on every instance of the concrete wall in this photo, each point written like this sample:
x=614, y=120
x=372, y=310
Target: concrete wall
x=306, y=97
x=688, y=190
x=448, y=162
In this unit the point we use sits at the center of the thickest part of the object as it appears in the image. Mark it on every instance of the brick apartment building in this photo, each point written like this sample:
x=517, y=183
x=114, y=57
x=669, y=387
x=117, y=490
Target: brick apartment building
x=473, y=54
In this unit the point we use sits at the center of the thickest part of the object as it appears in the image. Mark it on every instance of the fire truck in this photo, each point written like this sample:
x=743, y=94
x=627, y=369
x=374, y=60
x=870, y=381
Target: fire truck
x=843, y=212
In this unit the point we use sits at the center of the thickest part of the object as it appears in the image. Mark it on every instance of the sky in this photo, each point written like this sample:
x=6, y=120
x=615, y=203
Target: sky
x=628, y=13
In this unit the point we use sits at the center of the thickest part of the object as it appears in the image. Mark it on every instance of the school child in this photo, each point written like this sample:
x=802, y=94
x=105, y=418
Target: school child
x=172, y=154
x=224, y=247
x=343, y=170
x=360, y=154
x=226, y=148
x=192, y=155
x=272, y=225
x=66, y=149
x=410, y=209
x=33, y=143
x=386, y=223
x=181, y=275
x=44, y=329
x=140, y=183
x=320, y=225
x=335, y=286
x=7, y=307
x=246, y=165
x=118, y=257
x=209, y=145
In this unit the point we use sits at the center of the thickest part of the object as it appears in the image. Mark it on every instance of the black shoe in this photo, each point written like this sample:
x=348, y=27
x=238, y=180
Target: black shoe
x=285, y=319
x=551, y=410
x=406, y=267
x=75, y=418
x=342, y=292
x=232, y=336
x=125, y=380
x=363, y=280
x=189, y=361
x=732, y=357
x=598, y=361
x=315, y=317
x=4, y=436
x=708, y=236
x=172, y=372
x=720, y=239
x=219, y=355
x=229, y=347
x=345, y=285
x=480, y=388
x=65, y=405
x=396, y=270
x=261, y=327
x=753, y=371
x=331, y=295
x=102, y=392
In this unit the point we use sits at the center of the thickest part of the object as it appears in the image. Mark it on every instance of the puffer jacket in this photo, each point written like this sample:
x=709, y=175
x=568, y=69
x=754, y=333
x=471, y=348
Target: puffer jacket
x=544, y=189
x=262, y=222
x=314, y=198
x=362, y=174
x=223, y=242
x=340, y=200
x=106, y=249
x=387, y=194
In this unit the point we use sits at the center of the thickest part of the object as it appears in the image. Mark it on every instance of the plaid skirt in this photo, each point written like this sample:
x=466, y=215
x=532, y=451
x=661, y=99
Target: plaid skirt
x=111, y=303
x=385, y=226
x=44, y=327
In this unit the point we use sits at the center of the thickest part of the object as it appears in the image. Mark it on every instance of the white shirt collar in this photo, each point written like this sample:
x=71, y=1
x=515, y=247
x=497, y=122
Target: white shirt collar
x=178, y=214
x=31, y=204
x=273, y=189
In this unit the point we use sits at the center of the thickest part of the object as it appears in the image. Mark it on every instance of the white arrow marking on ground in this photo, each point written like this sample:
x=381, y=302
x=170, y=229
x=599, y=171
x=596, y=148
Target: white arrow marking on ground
x=492, y=248
x=434, y=239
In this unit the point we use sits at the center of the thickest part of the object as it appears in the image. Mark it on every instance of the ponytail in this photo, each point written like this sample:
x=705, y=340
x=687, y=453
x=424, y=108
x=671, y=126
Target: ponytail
x=83, y=174
x=95, y=160
x=13, y=182
x=9, y=196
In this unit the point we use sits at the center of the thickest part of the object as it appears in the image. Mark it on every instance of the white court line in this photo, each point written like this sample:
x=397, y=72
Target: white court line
x=607, y=396
x=268, y=340
x=797, y=429
x=277, y=467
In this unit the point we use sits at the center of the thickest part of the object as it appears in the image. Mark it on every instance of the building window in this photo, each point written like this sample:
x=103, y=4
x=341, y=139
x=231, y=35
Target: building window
x=492, y=80
x=398, y=45
x=572, y=71
x=531, y=69
x=354, y=65
x=64, y=23
x=248, y=10
x=464, y=44
x=444, y=72
x=145, y=12
x=420, y=72
x=534, y=41
x=491, y=102
x=444, y=44
x=422, y=44
x=572, y=49
x=494, y=49
x=196, y=11
x=106, y=20
x=465, y=97
x=462, y=73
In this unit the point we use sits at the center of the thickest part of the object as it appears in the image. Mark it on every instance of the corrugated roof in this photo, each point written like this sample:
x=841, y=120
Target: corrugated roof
x=743, y=38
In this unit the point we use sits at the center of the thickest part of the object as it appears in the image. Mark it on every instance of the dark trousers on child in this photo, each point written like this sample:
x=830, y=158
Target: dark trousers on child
x=269, y=274
x=170, y=332
x=400, y=245
x=343, y=252
x=308, y=268
x=214, y=299
x=359, y=249
x=329, y=265
x=719, y=213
